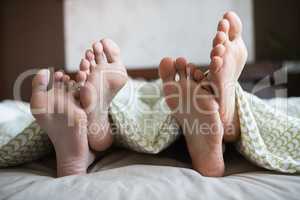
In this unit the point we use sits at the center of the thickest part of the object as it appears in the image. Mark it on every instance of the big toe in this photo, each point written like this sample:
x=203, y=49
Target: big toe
x=167, y=70
x=235, y=29
x=40, y=81
x=111, y=50
x=98, y=52
x=39, y=91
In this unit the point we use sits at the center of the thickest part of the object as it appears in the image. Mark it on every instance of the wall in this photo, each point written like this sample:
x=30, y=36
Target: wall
x=31, y=36
x=277, y=29
x=149, y=30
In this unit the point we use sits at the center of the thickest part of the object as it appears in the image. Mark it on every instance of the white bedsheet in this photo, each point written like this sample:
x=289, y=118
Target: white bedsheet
x=124, y=174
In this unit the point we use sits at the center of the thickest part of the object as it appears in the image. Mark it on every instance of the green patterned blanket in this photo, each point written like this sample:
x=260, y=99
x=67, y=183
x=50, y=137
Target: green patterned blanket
x=270, y=129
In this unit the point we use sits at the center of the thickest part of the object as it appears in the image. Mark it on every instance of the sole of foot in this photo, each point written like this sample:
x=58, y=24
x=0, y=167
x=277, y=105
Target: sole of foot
x=228, y=58
x=196, y=111
x=102, y=75
x=59, y=113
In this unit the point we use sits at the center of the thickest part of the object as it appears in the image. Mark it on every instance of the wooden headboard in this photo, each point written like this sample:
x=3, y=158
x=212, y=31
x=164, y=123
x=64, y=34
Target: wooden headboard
x=252, y=74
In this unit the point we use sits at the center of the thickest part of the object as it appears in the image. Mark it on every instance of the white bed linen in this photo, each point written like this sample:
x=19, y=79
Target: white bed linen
x=124, y=174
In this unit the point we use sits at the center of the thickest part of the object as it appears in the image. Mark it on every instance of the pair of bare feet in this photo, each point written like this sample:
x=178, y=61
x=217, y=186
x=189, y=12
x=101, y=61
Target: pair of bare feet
x=204, y=106
x=75, y=113
x=76, y=119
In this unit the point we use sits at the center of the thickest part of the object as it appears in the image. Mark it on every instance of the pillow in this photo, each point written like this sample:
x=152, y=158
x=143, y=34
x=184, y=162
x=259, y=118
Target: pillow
x=21, y=139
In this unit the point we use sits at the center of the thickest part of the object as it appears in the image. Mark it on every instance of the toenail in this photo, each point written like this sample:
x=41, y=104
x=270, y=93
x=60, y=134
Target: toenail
x=97, y=45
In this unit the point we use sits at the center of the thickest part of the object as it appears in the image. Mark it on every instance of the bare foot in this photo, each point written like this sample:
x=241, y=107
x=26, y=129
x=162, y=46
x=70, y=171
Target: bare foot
x=103, y=75
x=60, y=115
x=196, y=110
x=228, y=58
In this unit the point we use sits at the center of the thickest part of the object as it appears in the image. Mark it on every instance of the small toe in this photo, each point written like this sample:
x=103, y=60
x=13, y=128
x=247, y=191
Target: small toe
x=198, y=75
x=194, y=73
x=111, y=50
x=84, y=65
x=235, y=24
x=98, y=52
x=180, y=65
x=72, y=89
x=66, y=79
x=167, y=69
x=219, y=50
x=220, y=38
x=71, y=84
x=216, y=64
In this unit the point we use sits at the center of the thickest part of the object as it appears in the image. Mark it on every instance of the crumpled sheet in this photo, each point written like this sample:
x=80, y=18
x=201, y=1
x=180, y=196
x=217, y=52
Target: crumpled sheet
x=124, y=174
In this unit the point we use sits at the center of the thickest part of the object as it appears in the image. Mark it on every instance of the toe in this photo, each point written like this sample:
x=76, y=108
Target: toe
x=58, y=76
x=84, y=65
x=90, y=56
x=194, y=73
x=41, y=80
x=98, y=52
x=66, y=78
x=72, y=90
x=39, y=98
x=81, y=77
x=190, y=68
x=235, y=25
x=58, y=79
x=198, y=75
x=111, y=50
x=220, y=38
x=223, y=26
x=216, y=64
x=180, y=65
x=219, y=50
x=167, y=70
x=71, y=84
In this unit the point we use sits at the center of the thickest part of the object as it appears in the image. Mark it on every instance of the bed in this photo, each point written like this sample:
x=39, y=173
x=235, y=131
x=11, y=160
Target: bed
x=123, y=174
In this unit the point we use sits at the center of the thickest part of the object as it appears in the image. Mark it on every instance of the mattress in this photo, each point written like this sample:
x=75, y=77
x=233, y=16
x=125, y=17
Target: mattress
x=123, y=174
